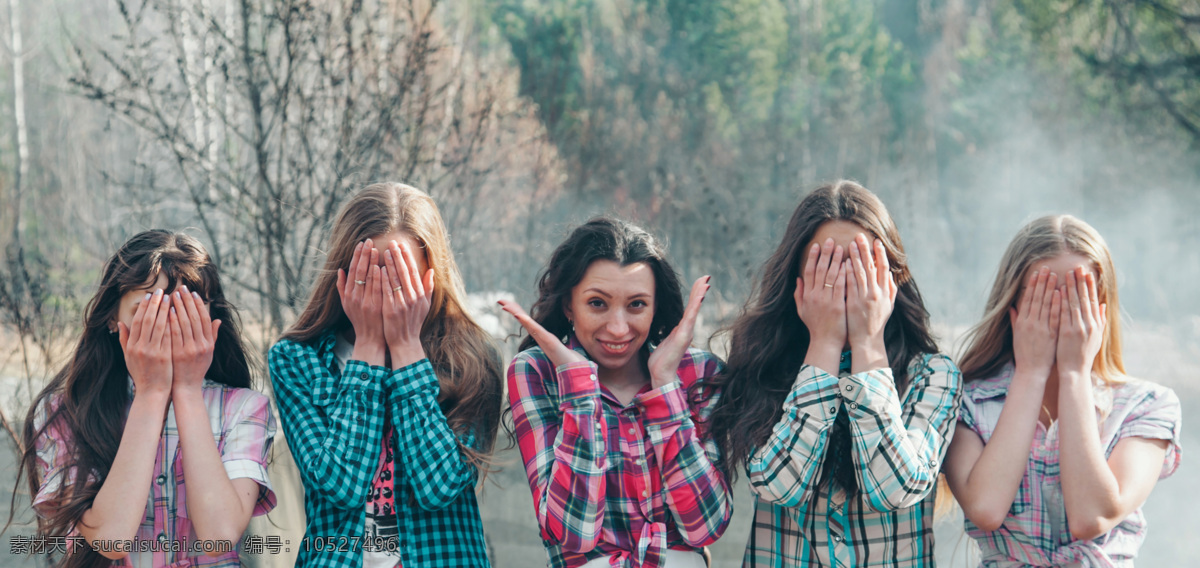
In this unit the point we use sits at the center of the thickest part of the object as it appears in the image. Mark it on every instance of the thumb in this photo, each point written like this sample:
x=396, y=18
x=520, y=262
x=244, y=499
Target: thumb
x=216, y=324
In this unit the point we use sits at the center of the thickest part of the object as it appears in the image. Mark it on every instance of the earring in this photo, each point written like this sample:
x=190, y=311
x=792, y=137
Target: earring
x=567, y=338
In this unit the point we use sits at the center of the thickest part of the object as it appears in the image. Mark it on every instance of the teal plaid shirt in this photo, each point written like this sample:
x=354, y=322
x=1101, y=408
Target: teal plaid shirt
x=898, y=442
x=334, y=421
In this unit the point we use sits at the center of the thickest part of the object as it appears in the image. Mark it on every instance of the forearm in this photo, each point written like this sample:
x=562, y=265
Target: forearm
x=1090, y=490
x=213, y=505
x=334, y=439
x=899, y=447
x=697, y=492
x=563, y=441
x=783, y=470
x=120, y=505
x=427, y=447
x=992, y=482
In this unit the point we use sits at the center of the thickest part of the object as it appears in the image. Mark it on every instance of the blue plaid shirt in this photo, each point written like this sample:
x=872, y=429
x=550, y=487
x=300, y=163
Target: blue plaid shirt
x=334, y=421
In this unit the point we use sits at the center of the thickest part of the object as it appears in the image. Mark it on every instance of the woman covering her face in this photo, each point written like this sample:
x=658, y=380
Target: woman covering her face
x=620, y=473
x=389, y=393
x=1057, y=448
x=149, y=448
x=835, y=398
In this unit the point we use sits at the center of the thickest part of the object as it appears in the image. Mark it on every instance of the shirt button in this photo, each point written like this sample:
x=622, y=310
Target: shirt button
x=160, y=479
x=593, y=377
x=362, y=376
x=640, y=461
x=645, y=493
x=853, y=405
x=632, y=431
x=599, y=426
x=849, y=388
x=162, y=536
x=837, y=538
x=832, y=409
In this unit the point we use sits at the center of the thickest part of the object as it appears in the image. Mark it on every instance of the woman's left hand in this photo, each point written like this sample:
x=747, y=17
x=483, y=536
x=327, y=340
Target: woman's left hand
x=664, y=361
x=193, y=337
x=1080, y=326
x=870, y=297
x=406, y=302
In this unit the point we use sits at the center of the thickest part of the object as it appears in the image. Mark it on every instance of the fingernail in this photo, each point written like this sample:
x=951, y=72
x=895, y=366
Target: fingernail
x=172, y=310
x=158, y=292
x=184, y=288
x=147, y=297
x=196, y=295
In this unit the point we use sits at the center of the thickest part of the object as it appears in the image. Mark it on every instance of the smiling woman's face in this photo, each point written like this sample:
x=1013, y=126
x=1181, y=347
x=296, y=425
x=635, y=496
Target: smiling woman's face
x=611, y=309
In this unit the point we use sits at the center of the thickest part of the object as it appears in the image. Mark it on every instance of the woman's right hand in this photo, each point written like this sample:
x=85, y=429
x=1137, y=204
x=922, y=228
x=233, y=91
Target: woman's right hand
x=1035, y=323
x=360, y=289
x=147, y=346
x=558, y=353
x=821, y=297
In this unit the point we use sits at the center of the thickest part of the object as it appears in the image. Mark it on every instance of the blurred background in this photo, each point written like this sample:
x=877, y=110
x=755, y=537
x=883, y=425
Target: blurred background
x=248, y=122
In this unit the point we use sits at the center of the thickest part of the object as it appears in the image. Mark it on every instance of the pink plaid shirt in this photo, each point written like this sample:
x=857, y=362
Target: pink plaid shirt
x=617, y=481
x=1035, y=533
x=244, y=430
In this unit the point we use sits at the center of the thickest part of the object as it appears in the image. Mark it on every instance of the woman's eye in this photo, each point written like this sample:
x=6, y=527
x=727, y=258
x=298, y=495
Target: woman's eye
x=638, y=304
x=596, y=303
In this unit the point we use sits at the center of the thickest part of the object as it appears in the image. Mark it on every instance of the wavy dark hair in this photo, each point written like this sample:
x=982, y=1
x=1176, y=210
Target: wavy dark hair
x=465, y=358
x=768, y=342
x=88, y=399
x=605, y=238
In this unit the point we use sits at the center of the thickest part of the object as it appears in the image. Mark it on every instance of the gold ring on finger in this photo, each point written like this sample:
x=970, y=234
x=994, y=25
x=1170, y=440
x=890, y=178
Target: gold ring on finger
x=361, y=282
x=397, y=288
x=828, y=285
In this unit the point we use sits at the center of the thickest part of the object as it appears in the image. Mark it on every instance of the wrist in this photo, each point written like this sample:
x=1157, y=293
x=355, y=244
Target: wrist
x=1033, y=376
x=868, y=353
x=824, y=355
x=405, y=355
x=369, y=352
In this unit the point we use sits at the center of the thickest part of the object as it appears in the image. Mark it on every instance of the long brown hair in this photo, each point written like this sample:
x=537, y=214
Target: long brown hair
x=989, y=343
x=605, y=238
x=464, y=356
x=768, y=341
x=89, y=398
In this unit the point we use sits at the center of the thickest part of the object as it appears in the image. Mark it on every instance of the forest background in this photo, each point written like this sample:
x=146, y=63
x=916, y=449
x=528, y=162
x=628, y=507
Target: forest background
x=248, y=122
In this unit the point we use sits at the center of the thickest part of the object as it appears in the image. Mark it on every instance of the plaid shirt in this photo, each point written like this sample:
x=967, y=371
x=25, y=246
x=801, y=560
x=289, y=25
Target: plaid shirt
x=242, y=421
x=1035, y=533
x=610, y=480
x=334, y=423
x=897, y=448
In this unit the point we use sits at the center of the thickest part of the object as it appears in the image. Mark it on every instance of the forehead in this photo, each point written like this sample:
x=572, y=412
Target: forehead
x=135, y=294
x=1062, y=264
x=842, y=232
x=612, y=278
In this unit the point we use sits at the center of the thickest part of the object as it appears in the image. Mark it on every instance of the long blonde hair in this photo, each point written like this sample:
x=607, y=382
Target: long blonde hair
x=989, y=343
x=463, y=354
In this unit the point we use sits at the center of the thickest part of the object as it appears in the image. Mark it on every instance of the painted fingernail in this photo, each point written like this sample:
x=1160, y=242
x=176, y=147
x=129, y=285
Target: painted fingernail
x=148, y=294
x=196, y=295
x=172, y=310
x=184, y=288
x=158, y=292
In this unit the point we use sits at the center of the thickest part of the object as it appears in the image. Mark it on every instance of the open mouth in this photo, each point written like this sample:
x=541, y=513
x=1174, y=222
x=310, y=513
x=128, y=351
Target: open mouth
x=616, y=348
